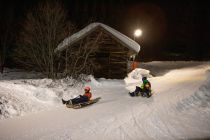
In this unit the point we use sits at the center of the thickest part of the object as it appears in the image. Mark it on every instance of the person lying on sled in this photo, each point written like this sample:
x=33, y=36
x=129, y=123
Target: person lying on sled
x=81, y=98
x=144, y=90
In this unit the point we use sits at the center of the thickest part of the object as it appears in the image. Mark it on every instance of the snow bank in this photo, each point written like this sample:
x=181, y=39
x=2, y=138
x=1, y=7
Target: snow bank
x=20, y=99
x=136, y=75
x=160, y=68
x=139, y=73
x=200, y=99
x=19, y=96
x=203, y=94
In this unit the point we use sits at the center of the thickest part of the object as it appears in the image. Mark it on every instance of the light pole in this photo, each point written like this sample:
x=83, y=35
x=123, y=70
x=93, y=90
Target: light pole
x=137, y=33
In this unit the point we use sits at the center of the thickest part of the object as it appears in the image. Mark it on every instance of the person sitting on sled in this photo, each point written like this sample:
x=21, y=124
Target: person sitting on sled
x=81, y=98
x=144, y=90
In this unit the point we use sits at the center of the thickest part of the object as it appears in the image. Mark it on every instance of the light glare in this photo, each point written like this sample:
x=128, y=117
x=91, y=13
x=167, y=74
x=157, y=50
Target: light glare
x=138, y=33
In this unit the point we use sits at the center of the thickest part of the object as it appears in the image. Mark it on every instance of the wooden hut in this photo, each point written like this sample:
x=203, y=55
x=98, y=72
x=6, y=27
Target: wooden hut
x=112, y=54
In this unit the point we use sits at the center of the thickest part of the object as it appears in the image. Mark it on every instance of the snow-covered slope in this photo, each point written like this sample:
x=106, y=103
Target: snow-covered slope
x=23, y=96
x=178, y=109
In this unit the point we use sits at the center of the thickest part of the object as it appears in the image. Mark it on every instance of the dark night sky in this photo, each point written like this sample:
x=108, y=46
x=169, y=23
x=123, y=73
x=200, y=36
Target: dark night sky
x=171, y=29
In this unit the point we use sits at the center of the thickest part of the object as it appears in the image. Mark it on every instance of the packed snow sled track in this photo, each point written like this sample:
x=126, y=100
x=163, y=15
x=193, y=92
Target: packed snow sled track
x=178, y=109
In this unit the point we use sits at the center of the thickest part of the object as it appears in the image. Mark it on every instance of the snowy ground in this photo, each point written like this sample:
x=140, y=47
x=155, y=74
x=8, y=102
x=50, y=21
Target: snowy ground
x=178, y=109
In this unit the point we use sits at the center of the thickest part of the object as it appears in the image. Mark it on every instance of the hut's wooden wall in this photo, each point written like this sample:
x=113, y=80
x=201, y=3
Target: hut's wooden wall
x=112, y=58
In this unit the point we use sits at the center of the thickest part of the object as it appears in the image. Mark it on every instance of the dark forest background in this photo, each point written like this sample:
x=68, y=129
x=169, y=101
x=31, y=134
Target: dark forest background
x=172, y=30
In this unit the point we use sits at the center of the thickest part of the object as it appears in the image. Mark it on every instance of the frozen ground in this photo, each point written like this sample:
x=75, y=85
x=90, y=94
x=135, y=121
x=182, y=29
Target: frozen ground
x=179, y=108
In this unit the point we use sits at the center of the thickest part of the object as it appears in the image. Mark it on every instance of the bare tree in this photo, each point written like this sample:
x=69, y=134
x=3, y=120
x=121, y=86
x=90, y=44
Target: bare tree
x=6, y=22
x=4, y=44
x=44, y=28
x=80, y=58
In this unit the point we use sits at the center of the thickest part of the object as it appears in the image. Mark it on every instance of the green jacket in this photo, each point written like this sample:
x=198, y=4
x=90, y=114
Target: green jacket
x=145, y=82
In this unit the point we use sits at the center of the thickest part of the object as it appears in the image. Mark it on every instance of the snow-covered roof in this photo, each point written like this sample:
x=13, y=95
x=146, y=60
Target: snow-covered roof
x=121, y=38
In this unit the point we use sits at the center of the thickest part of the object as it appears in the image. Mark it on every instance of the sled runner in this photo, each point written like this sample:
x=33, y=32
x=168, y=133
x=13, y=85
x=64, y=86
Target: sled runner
x=84, y=104
x=133, y=94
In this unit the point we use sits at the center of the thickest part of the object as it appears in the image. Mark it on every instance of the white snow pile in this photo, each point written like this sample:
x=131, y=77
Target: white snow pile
x=20, y=99
x=22, y=96
x=136, y=75
x=139, y=73
x=160, y=68
x=200, y=99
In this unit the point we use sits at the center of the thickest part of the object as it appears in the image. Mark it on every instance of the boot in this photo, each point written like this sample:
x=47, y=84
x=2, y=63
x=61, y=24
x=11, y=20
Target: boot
x=63, y=101
x=70, y=102
x=131, y=94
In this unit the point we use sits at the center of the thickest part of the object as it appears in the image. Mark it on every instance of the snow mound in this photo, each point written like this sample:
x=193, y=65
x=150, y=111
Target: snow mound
x=139, y=73
x=23, y=96
x=200, y=99
x=62, y=88
x=19, y=99
x=160, y=68
x=203, y=94
x=134, y=78
x=15, y=105
x=136, y=75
